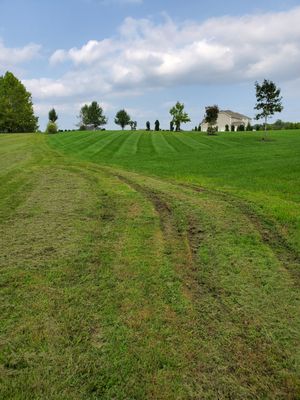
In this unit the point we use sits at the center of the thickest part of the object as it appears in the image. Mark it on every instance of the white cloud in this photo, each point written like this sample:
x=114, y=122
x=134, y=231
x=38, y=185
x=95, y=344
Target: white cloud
x=10, y=57
x=89, y=53
x=43, y=108
x=145, y=55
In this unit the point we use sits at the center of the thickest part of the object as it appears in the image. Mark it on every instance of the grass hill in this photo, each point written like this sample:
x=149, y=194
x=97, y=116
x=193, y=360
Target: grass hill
x=145, y=265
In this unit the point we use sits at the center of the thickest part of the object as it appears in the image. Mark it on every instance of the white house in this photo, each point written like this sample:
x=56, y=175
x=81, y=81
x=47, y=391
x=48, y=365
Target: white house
x=230, y=118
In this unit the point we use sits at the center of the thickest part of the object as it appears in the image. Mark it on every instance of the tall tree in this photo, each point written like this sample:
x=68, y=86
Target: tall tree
x=53, y=117
x=16, y=108
x=92, y=115
x=122, y=118
x=84, y=116
x=179, y=115
x=156, y=125
x=268, y=100
x=211, y=116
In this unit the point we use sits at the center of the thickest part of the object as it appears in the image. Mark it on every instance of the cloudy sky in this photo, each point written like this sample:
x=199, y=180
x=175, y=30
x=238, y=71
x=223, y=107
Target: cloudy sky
x=144, y=55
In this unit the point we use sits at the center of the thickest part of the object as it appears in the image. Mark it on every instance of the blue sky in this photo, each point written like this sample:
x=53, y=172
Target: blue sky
x=144, y=55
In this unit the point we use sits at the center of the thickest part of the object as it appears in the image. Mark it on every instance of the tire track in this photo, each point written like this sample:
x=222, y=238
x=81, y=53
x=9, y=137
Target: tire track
x=181, y=246
x=269, y=233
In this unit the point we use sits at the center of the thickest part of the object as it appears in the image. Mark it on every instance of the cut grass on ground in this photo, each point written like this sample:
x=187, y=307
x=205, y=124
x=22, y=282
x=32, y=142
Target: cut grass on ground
x=122, y=278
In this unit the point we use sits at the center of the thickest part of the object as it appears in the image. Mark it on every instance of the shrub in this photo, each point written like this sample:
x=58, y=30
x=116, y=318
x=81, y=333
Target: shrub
x=51, y=127
x=226, y=128
x=241, y=128
x=232, y=128
x=212, y=130
x=249, y=128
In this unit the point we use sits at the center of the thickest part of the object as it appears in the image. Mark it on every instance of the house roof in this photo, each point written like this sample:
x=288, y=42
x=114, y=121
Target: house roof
x=234, y=114
x=231, y=114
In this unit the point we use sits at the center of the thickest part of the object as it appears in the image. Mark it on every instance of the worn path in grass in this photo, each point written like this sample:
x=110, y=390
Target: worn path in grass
x=240, y=164
x=119, y=285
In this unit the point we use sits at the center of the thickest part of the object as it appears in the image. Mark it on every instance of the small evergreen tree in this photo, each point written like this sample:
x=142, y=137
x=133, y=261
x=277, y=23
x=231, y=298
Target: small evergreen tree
x=122, y=118
x=148, y=126
x=226, y=128
x=232, y=128
x=249, y=127
x=53, y=117
x=171, y=126
x=157, y=125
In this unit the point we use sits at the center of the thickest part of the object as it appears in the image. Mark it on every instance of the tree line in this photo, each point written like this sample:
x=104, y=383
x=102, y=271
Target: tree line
x=17, y=114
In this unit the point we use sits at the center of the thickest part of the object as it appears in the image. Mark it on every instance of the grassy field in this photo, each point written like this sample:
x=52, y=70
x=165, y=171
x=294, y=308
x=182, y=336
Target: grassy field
x=139, y=265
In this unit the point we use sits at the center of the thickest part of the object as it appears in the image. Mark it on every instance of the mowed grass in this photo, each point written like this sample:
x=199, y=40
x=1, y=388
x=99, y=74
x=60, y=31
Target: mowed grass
x=265, y=173
x=140, y=265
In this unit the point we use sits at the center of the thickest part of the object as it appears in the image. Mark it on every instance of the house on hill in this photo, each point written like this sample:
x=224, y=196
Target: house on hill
x=230, y=118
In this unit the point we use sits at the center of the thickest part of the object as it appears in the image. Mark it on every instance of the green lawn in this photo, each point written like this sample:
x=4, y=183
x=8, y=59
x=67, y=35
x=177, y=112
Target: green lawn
x=266, y=173
x=139, y=265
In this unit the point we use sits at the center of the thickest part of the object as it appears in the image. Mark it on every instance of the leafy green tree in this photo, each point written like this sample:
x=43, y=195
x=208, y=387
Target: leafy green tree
x=268, y=100
x=179, y=115
x=122, y=118
x=16, y=108
x=210, y=117
x=96, y=116
x=148, y=126
x=92, y=115
x=53, y=117
x=84, y=116
x=157, y=125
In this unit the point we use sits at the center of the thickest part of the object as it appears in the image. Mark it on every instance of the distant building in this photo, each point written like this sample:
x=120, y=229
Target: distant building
x=230, y=118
